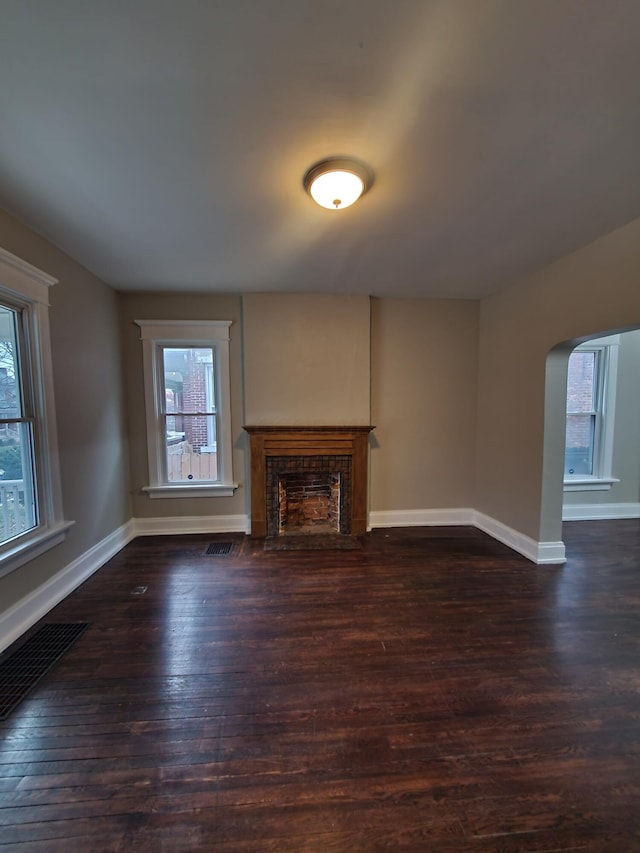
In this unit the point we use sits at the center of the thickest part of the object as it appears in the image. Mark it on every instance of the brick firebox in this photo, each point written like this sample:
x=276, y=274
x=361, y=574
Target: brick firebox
x=308, y=494
x=309, y=502
x=328, y=450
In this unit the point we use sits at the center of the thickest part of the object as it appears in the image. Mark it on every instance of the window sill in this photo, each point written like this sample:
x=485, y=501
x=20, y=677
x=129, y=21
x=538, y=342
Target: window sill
x=590, y=484
x=28, y=549
x=204, y=490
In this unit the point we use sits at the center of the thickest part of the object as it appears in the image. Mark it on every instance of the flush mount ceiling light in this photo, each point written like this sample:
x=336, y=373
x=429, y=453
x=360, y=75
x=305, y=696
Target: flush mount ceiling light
x=338, y=182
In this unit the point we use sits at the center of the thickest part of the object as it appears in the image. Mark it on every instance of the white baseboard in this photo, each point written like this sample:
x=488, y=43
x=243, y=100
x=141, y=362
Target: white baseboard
x=551, y=553
x=191, y=524
x=540, y=553
x=26, y=612
x=420, y=517
x=596, y=512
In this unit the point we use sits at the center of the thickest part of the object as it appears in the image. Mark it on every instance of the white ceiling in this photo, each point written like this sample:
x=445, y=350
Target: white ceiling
x=162, y=143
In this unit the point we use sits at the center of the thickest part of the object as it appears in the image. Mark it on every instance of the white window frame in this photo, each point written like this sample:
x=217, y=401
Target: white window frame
x=27, y=288
x=189, y=333
x=602, y=477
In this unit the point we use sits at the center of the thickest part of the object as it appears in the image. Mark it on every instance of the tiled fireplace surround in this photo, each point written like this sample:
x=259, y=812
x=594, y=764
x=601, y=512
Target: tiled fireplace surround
x=310, y=461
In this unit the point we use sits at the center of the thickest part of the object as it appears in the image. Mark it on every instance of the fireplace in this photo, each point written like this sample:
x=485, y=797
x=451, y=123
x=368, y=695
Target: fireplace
x=307, y=480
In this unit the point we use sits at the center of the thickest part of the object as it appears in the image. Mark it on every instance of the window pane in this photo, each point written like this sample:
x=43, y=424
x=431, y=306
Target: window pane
x=581, y=382
x=17, y=498
x=188, y=379
x=10, y=401
x=191, y=448
x=578, y=459
x=17, y=493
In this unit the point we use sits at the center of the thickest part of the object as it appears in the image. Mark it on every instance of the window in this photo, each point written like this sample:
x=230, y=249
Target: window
x=591, y=385
x=30, y=496
x=17, y=475
x=188, y=406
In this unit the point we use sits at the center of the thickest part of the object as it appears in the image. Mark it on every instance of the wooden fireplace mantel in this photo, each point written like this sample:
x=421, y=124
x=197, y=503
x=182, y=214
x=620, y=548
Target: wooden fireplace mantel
x=308, y=441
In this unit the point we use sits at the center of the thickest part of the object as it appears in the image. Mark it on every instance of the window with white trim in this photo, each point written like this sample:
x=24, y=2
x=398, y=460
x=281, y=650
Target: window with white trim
x=188, y=407
x=31, y=518
x=591, y=398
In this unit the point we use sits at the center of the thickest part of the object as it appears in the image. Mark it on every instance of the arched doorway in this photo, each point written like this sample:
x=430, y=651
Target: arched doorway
x=619, y=498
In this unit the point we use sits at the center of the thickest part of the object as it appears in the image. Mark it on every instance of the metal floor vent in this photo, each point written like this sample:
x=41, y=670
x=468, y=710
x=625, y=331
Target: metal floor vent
x=21, y=670
x=219, y=549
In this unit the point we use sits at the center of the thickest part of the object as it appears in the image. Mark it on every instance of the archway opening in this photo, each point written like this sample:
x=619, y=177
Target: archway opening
x=608, y=487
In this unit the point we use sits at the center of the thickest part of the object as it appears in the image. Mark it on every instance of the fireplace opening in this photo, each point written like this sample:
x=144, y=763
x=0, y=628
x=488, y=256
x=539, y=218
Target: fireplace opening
x=308, y=494
x=308, y=502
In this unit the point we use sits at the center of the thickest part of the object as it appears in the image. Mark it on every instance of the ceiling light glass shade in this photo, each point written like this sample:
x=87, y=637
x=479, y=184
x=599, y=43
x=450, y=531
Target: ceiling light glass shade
x=335, y=190
x=336, y=184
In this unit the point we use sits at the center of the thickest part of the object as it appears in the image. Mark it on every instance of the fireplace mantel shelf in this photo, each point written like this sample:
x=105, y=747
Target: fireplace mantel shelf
x=273, y=440
x=307, y=429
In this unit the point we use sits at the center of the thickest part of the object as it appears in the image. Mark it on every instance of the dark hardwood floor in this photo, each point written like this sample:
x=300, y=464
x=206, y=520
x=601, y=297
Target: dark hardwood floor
x=431, y=692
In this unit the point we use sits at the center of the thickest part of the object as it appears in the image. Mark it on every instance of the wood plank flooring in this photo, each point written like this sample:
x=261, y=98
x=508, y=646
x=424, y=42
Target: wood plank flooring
x=431, y=692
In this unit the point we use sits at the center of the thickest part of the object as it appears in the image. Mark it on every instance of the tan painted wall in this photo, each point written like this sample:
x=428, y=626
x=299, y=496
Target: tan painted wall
x=163, y=306
x=424, y=384
x=89, y=406
x=594, y=290
x=306, y=359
